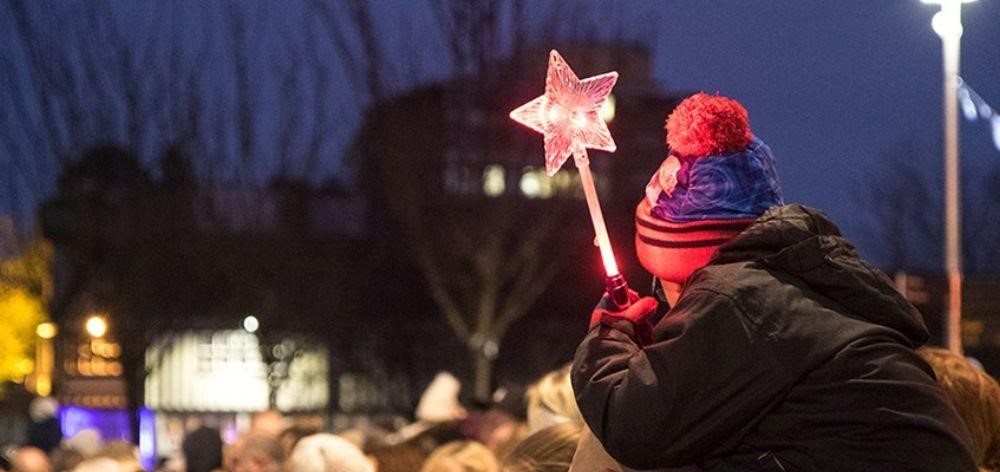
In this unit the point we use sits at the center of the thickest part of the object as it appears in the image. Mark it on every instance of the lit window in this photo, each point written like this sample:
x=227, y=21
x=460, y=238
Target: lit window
x=546, y=184
x=530, y=186
x=563, y=182
x=494, y=180
x=535, y=183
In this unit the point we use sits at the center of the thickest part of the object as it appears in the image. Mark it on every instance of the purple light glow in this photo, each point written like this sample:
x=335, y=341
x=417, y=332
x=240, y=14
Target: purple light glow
x=111, y=424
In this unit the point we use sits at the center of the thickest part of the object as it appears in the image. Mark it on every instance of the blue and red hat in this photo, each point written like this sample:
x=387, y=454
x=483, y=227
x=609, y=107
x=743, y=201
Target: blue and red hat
x=717, y=179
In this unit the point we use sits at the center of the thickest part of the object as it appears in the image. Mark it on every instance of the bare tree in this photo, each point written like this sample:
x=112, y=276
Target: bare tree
x=903, y=198
x=485, y=261
x=79, y=76
x=902, y=195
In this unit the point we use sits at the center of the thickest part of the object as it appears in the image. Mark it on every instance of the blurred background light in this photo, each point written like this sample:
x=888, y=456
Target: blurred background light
x=494, y=180
x=608, y=109
x=46, y=330
x=96, y=326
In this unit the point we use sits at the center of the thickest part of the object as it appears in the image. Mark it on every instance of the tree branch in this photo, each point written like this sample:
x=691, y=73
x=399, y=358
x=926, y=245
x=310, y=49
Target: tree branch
x=439, y=291
x=525, y=293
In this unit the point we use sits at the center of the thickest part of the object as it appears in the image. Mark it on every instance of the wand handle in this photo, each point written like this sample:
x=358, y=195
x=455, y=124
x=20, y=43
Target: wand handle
x=582, y=162
x=617, y=288
x=614, y=282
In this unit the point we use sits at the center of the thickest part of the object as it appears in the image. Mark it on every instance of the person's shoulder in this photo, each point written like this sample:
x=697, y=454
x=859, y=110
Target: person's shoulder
x=746, y=289
x=732, y=280
x=709, y=290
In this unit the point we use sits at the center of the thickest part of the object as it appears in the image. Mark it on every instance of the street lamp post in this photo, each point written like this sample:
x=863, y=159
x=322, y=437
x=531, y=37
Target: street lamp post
x=44, y=359
x=948, y=25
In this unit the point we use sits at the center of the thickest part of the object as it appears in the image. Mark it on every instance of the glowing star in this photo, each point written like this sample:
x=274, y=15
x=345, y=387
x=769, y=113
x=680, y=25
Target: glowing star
x=569, y=114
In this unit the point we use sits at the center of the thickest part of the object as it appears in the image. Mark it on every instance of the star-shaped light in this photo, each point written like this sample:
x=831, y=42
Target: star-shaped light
x=569, y=113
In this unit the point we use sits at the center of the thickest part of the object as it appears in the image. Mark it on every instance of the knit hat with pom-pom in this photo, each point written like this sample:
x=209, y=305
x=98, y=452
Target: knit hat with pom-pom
x=717, y=180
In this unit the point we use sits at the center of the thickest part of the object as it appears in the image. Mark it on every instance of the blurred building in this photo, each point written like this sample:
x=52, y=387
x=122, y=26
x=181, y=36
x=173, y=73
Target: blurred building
x=174, y=267
x=88, y=379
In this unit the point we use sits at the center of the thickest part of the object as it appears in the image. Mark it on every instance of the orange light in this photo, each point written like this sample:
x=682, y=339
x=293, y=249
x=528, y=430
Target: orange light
x=43, y=385
x=83, y=367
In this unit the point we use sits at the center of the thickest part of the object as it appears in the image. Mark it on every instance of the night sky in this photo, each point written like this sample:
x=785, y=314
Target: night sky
x=829, y=85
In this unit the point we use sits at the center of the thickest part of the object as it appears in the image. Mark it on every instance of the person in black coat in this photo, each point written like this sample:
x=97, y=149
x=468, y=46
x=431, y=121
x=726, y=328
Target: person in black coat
x=202, y=450
x=782, y=350
x=45, y=430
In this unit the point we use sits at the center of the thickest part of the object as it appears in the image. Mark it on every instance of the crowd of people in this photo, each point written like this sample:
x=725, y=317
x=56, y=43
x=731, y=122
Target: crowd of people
x=542, y=435
x=548, y=435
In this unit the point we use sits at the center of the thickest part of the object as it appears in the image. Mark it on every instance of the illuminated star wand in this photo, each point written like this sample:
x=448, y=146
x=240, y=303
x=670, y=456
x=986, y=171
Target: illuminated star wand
x=569, y=117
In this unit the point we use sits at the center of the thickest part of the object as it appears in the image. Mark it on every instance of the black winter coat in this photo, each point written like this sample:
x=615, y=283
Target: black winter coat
x=786, y=352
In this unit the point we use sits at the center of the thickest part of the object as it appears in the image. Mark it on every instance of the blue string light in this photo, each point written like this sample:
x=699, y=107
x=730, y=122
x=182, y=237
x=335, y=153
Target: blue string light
x=975, y=108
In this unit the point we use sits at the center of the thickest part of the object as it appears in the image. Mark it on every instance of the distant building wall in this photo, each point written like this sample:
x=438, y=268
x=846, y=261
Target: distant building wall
x=223, y=371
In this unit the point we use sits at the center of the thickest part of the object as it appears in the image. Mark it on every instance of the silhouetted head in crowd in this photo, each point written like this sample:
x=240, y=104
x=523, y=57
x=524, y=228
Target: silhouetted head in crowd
x=436, y=436
x=405, y=457
x=551, y=401
x=439, y=401
x=461, y=456
x=31, y=459
x=64, y=458
x=548, y=450
x=99, y=464
x=124, y=453
x=256, y=452
x=202, y=450
x=292, y=435
x=87, y=442
x=327, y=453
x=976, y=396
x=44, y=432
x=492, y=427
x=269, y=422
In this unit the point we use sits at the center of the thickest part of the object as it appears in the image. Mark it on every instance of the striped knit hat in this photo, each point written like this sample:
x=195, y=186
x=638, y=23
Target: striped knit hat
x=716, y=181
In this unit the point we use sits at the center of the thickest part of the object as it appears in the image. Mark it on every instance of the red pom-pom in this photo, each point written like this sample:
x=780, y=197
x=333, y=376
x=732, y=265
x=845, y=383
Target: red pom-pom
x=706, y=125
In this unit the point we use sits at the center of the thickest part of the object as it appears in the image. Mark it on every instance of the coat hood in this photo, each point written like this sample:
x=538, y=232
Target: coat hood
x=804, y=243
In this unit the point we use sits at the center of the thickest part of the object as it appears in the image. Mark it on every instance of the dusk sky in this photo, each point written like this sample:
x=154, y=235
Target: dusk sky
x=829, y=85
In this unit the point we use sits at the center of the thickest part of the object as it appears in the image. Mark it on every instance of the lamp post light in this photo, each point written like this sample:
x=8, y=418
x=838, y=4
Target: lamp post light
x=44, y=358
x=947, y=23
x=46, y=330
x=96, y=326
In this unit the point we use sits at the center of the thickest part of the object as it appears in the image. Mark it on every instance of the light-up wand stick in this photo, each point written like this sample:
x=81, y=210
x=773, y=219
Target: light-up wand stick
x=569, y=117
